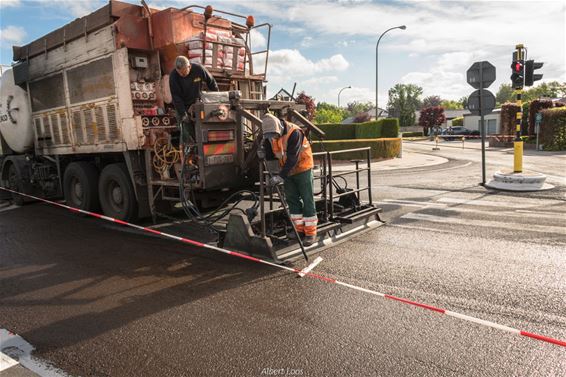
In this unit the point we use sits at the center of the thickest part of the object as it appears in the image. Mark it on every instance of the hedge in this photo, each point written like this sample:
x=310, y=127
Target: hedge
x=509, y=118
x=338, y=131
x=553, y=129
x=388, y=127
x=380, y=148
x=369, y=130
x=413, y=134
x=534, y=107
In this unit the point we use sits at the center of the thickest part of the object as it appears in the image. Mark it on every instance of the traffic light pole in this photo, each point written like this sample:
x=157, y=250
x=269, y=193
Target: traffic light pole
x=518, y=142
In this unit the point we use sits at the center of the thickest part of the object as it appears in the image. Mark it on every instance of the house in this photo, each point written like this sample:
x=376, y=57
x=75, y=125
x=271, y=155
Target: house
x=451, y=114
x=492, y=120
x=370, y=115
x=448, y=114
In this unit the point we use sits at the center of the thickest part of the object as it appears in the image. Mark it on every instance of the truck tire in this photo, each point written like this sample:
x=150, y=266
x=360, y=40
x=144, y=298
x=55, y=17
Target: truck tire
x=117, y=196
x=80, y=186
x=14, y=183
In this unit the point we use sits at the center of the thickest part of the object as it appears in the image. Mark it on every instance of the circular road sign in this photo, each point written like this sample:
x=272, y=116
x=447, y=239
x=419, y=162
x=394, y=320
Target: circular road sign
x=487, y=100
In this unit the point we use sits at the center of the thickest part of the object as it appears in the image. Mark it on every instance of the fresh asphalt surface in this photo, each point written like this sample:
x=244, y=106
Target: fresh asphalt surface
x=96, y=299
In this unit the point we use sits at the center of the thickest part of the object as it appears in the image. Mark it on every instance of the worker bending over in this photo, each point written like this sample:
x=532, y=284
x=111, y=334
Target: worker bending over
x=185, y=83
x=287, y=143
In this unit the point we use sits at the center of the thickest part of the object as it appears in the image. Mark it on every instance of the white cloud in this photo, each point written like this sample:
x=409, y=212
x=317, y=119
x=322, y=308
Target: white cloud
x=291, y=63
x=306, y=42
x=461, y=32
x=359, y=94
x=10, y=3
x=12, y=34
x=345, y=43
x=258, y=40
x=75, y=8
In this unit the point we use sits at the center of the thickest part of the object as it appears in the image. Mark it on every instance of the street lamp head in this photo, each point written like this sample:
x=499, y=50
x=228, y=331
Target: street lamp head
x=402, y=27
x=349, y=87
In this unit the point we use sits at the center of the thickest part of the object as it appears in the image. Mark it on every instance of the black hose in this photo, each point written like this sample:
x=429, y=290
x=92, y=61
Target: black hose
x=192, y=211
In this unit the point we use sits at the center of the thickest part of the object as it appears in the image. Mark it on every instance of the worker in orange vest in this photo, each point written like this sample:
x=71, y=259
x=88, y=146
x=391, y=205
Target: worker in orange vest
x=287, y=143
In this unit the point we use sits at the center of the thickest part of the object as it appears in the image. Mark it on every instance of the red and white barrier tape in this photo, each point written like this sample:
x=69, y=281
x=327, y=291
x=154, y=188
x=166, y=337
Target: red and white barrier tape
x=305, y=273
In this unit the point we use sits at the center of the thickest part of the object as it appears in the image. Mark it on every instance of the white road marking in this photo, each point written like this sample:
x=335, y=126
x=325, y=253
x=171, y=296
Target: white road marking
x=6, y=362
x=413, y=203
x=520, y=203
x=424, y=228
x=559, y=216
x=309, y=268
x=486, y=223
x=10, y=342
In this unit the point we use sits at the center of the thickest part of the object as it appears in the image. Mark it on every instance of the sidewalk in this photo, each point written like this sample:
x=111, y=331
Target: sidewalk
x=409, y=160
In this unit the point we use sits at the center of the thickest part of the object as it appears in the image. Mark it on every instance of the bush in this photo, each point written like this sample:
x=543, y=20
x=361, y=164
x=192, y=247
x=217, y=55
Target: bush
x=458, y=122
x=380, y=148
x=390, y=127
x=413, y=134
x=536, y=106
x=553, y=129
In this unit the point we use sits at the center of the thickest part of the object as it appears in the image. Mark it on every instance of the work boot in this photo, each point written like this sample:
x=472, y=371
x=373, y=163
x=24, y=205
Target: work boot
x=309, y=240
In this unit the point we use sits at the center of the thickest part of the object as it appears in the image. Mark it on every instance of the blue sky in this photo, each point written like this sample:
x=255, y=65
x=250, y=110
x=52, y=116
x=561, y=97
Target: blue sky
x=327, y=45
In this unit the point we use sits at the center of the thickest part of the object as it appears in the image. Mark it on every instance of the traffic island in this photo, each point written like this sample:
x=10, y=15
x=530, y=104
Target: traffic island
x=525, y=181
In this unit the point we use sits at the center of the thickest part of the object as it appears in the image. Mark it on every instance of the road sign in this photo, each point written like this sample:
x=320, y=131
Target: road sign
x=488, y=102
x=487, y=75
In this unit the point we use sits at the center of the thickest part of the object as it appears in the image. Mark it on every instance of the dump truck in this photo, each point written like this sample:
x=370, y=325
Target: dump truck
x=86, y=114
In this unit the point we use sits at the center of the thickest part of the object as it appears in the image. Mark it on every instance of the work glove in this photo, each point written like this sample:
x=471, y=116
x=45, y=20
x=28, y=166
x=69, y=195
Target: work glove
x=275, y=180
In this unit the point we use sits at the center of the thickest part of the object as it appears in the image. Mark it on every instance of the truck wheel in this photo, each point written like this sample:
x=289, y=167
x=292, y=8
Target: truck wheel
x=117, y=196
x=14, y=183
x=80, y=186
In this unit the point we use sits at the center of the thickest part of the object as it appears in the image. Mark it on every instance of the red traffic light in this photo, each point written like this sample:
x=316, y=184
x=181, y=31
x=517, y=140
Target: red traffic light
x=518, y=67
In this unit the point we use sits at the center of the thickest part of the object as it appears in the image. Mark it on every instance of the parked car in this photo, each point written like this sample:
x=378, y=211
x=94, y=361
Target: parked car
x=458, y=130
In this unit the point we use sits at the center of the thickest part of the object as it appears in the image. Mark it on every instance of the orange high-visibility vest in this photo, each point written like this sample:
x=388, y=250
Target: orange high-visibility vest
x=279, y=147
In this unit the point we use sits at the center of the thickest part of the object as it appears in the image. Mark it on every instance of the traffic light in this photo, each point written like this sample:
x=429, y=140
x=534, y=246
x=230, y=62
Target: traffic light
x=530, y=77
x=518, y=69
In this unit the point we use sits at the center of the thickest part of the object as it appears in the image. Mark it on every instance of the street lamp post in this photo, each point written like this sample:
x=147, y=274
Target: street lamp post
x=347, y=87
x=402, y=27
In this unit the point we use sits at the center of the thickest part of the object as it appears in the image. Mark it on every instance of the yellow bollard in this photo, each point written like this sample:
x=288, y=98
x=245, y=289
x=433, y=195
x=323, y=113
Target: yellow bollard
x=518, y=156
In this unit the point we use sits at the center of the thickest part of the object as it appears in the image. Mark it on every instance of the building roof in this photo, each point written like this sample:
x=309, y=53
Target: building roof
x=371, y=112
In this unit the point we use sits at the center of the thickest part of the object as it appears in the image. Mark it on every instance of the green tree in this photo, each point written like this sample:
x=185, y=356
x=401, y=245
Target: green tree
x=328, y=113
x=355, y=108
x=452, y=105
x=404, y=102
x=552, y=89
x=431, y=101
x=504, y=94
x=464, y=102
